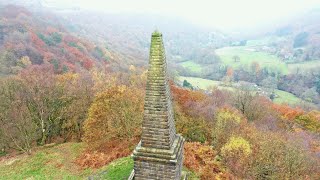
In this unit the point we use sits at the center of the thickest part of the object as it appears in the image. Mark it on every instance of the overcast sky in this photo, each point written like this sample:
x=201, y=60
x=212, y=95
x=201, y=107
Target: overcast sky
x=222, y=14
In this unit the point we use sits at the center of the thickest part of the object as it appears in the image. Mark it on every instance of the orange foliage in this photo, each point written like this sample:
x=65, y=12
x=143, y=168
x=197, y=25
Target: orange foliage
x=230, y=72
x=288, y=112
x=87, y=64
x=107, y=153
x=37, y=41
x=184, y=96
x=200, y=159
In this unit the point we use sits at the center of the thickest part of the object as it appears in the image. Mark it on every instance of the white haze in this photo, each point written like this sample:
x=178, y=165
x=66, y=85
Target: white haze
x=222, y=14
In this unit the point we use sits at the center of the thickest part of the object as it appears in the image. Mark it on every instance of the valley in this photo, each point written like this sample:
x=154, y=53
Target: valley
x=93, y=90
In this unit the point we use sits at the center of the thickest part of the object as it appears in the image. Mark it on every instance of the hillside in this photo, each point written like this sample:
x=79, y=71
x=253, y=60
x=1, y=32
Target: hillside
x=36, y=38
x=128, y=34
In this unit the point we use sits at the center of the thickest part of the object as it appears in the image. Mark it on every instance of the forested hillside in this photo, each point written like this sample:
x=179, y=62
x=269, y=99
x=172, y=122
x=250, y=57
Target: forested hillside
x=35, y=38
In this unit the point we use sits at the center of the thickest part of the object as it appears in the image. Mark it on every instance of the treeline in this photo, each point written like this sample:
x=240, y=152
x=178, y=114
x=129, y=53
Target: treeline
x=39, y=106
x=246, y=136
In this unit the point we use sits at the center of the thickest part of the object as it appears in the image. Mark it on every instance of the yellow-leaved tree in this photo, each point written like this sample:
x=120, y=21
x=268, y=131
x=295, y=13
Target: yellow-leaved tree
x=115, y=114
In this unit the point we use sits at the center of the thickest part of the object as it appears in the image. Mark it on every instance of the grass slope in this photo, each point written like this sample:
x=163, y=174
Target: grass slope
x=116, y=170
x=286, y=97
x=48, y=163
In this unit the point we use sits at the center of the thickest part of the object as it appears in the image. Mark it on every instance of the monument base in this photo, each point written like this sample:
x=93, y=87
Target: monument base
x=152, y=163
x=184, y=175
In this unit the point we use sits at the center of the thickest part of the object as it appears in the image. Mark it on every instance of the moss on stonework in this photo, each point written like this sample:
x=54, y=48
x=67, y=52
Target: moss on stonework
x=156, y=33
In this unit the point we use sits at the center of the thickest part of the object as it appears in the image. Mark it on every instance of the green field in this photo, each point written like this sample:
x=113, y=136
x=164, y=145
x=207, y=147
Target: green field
x=283, y=96
x=248, y=56
x=286, y=97
x=192, y=66
x=204, y=83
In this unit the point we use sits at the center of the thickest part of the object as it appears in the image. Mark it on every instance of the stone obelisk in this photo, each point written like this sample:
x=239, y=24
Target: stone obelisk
x=159, y=154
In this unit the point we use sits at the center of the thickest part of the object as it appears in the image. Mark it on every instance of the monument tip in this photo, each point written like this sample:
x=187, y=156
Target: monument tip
x=156, y=33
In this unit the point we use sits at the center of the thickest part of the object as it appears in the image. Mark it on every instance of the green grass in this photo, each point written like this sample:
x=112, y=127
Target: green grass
x=116, y=170
x=286, y=97
x=283, y=96
x=48, y=163
x=192, y=66
x=199, y=82
x=248, y=56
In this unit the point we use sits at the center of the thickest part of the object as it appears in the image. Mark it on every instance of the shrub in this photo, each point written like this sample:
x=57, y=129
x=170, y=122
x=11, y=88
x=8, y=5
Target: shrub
x=236, y=144
x=192, y=128
x=235, y=154
x=200, y=158
x=227, y=122
x=310, y=121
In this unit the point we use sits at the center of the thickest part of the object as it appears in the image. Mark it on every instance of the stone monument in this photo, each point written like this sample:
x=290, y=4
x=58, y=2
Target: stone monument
x=159, y=155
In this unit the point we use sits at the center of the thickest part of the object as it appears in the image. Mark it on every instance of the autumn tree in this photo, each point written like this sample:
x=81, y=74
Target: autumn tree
x=16, y=127
x=115, y=114
x=45, y=100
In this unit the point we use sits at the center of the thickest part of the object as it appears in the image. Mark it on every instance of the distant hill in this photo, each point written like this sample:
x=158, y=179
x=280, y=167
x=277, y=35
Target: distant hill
x=28, y=37
x=130, y=34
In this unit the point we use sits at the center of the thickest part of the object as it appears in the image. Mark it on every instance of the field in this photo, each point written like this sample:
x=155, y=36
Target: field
x=192, y=66
x=286, y=97
x=248, y=55
x=283, y=96
x=204, y=83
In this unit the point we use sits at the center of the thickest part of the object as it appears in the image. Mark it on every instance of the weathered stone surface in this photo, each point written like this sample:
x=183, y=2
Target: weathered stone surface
x=159, y=155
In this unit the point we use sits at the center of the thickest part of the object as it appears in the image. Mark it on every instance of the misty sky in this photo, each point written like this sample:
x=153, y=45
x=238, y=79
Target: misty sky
x=222, y=14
